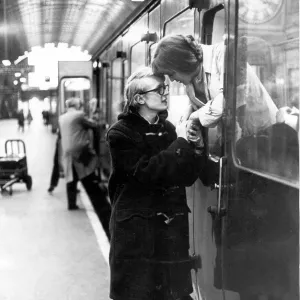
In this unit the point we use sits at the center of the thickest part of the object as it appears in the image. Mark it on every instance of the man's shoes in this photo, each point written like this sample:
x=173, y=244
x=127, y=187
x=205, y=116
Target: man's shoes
x=73, y=207
x=51, y=188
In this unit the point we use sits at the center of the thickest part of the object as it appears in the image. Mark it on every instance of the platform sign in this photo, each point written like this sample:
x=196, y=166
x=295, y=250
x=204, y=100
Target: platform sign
x=14, y=69
x=8, y=91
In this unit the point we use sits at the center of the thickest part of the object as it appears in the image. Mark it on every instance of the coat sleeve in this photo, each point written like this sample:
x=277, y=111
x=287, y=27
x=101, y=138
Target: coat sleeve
x=176, y=165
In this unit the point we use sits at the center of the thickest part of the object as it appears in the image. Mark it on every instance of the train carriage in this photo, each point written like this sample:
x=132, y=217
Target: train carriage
x=244, y=225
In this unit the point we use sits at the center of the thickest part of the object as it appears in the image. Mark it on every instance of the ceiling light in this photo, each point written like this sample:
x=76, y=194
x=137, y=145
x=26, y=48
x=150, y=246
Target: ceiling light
x=15, y=82
x=23, y=79
x=49, y=45
x=6, y=62
x=62, y=45
x=17, y=74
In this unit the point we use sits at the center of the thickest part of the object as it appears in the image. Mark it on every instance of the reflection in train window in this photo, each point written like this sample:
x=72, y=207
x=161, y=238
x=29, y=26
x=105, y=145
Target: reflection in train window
x=178, y=100
x=267, y=99
x=117, y=90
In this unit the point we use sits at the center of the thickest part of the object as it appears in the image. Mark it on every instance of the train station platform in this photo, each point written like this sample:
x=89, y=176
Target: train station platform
x=46, y=251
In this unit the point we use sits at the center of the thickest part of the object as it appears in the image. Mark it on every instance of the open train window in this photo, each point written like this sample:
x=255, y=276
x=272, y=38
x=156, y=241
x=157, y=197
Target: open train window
x=178, y=100
x=267, y=104
x=213, y=33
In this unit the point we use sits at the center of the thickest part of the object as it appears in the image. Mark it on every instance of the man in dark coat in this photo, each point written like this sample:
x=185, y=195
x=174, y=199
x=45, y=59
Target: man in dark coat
x=149, y=255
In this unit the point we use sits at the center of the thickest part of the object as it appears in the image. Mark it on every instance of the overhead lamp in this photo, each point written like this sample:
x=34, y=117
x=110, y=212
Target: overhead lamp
x=18, y=74
x=15, y=82
x=62, y=45
x=49, y=45
x=23, y=79
x=94, y=64
x=6, y=62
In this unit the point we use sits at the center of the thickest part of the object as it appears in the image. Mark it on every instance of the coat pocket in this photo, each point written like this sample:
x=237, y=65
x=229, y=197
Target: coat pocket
x=134, y=234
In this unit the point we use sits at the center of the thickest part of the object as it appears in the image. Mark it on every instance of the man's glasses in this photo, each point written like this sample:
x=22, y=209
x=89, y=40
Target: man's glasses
x=162, y=90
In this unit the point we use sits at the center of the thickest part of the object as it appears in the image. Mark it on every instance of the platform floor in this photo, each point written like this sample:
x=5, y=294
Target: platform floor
x=46, y=251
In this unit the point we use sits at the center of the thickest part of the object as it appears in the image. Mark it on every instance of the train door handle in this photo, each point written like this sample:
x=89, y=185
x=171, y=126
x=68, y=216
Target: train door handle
x=218, y=210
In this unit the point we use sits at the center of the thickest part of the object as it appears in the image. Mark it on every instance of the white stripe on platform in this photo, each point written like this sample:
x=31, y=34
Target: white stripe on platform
x=97, y=227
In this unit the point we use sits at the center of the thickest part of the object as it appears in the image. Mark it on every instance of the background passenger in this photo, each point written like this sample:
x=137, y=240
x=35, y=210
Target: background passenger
x=29, y=117
x=151, y=166
x=21, y=120
x=80, y=160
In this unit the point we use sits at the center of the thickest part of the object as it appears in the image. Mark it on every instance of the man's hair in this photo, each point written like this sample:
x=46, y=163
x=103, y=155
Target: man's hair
x=73, y=102
x=135, y=84
x=177, y=53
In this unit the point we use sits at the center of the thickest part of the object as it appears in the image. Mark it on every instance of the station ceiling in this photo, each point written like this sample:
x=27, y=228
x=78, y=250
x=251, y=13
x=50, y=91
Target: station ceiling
x=85, y=23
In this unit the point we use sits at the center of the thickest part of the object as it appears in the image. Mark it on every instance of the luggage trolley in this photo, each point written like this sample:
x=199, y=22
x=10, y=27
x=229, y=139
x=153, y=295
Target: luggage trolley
x=13, y=166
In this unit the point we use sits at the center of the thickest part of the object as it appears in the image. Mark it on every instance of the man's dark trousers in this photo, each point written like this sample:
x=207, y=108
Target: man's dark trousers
x=96, y=195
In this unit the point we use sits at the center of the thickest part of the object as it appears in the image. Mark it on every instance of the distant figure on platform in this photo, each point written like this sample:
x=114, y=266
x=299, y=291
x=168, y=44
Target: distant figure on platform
x=55, y=170
x=29, y=117
x=46, y=117
x=21, y=120
x=80, y=160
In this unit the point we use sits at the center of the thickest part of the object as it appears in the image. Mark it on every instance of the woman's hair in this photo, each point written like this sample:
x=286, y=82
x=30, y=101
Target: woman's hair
x=177, y=53
x=135, y=84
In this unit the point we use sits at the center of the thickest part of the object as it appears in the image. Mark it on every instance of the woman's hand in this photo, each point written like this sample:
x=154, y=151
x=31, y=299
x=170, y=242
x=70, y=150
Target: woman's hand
x=181, y=130
x=194, y=116
x=194, y=134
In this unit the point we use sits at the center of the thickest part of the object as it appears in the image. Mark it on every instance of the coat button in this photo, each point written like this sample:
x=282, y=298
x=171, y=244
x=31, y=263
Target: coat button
x=178, y=152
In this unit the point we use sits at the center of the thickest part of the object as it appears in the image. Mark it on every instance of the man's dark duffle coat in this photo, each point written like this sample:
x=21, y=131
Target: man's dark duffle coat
x=149, y=224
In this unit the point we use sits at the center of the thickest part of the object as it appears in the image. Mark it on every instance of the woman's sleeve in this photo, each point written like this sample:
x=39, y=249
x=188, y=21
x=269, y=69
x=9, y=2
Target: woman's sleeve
x=176, y=165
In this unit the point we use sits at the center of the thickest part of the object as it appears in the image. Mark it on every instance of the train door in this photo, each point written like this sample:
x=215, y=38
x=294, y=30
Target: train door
x=259, y=254
x=199, y=197
x=74, y=80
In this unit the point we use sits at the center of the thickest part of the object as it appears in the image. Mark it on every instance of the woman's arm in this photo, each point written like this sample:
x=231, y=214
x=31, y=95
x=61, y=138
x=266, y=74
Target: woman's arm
x=176, y=165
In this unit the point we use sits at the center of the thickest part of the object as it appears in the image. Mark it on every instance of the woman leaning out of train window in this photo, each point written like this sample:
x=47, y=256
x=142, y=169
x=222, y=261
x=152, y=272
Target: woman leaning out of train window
x=151, y=165
x=201, y=69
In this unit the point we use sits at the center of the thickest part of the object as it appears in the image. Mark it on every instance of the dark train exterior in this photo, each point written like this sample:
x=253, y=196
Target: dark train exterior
x=244, y=225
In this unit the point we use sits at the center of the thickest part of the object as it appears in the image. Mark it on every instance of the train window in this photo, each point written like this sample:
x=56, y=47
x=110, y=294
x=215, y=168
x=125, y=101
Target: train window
x=78, y=88
x=154, y=26
x=138, y=56
x=126, y=69
x=267, y=92
x=103, y=95
x=117, y=89
x=178, y=100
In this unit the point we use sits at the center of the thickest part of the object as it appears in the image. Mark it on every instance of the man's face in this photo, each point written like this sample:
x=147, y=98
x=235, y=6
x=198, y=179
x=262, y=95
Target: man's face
x=156, y=96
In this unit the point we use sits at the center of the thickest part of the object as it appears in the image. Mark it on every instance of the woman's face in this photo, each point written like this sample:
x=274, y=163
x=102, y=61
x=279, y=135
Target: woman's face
x=184, y=78
x=153, y=97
